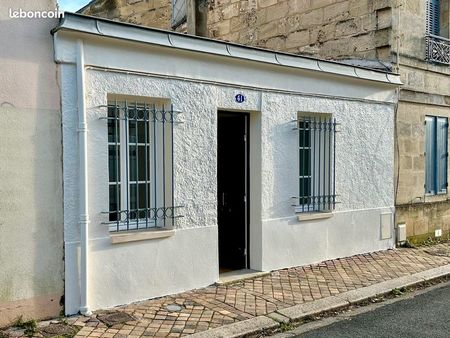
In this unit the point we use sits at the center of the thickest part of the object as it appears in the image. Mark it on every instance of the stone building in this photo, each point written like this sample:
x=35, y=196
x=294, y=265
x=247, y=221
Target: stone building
x=409, y=37
x=319, y=27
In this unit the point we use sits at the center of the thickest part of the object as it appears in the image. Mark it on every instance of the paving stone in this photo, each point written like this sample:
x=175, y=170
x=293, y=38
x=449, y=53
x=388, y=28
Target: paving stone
x=230, y=306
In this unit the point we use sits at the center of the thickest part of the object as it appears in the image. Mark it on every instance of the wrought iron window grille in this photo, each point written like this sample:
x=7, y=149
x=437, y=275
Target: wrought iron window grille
x=317, y=158
x=141, y=167
x=437, y=49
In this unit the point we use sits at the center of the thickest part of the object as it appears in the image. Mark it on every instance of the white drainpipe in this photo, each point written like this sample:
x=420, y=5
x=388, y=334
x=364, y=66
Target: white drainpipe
x=84, y=205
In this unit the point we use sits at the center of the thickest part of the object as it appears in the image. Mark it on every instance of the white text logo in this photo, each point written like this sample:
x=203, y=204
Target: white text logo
x=21, y=14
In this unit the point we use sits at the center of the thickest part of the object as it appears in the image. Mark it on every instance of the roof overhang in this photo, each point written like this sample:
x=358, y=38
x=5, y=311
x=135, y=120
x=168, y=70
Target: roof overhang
x=124, y=31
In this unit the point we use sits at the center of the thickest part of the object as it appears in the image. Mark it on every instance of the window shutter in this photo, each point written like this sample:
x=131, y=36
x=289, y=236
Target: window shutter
x=430, y=161
x=433, y=17
x=179, y=12
x=441, y=143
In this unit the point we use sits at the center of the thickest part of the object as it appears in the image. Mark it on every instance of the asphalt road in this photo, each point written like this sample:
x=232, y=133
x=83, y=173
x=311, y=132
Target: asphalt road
x=424, y=315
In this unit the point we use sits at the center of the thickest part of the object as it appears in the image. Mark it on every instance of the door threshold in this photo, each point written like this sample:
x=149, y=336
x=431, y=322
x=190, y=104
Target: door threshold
x=239, y=275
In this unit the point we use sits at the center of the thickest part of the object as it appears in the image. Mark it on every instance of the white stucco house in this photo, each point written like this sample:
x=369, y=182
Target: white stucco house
x=185, y=157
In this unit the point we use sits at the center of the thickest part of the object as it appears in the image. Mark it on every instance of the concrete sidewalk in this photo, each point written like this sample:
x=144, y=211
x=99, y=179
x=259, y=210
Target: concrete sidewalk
x=262, y=303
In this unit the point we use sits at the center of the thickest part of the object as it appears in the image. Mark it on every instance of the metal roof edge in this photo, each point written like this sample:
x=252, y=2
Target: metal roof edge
x=113, y=29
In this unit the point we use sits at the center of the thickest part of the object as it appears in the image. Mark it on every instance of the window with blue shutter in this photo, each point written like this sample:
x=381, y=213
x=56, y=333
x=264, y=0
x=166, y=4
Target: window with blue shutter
x=436, y=154
x=441, y=153
x=433, y=17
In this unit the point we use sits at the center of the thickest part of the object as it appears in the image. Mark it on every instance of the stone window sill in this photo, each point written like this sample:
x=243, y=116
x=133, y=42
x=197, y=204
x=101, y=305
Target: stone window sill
x=140, y=235
x=310, y=216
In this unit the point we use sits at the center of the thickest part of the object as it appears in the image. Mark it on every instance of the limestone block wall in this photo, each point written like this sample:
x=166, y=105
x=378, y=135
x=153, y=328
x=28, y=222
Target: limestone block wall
x=445, y=16
x=325, y=28
x=423, y=219
x=421, y=213
x=152, y=13
x=319, y=27
x=425, y=91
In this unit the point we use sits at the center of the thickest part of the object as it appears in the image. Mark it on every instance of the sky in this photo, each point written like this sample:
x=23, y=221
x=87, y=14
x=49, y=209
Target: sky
x=72, y=5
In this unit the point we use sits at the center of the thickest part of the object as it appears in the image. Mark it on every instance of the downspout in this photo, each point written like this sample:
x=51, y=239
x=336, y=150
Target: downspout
x=398, y=41
x=83, y=199
x=398, y=36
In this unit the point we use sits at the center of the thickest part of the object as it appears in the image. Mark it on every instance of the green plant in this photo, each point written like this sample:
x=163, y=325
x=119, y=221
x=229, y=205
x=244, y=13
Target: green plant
x=399, y=291
x=30, y=326
x=284, y=327
x=431, y=241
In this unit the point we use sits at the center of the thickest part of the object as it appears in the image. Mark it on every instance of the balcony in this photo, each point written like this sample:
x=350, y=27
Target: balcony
x=438, y=49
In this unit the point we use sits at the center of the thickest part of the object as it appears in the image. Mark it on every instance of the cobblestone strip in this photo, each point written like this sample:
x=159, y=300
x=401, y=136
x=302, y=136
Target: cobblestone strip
x=214, y=306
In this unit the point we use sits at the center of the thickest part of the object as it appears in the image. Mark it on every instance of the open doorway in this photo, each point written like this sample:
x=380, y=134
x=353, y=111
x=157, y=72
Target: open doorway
x=232, y=190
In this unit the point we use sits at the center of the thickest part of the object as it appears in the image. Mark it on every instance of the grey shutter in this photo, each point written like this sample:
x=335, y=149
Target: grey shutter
x=430, y=160
x=441, y=152
x=179, y=12
x=433, y=17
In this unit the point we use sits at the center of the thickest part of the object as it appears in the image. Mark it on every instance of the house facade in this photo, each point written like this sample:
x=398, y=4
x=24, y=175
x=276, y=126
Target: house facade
x=185, y=157
x=31, y=218
x=408, y=37
x=141, y=163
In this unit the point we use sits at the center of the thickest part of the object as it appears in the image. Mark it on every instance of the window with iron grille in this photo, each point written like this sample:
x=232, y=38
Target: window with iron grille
x=140, y=153
x=436, y=154
x=316, y=155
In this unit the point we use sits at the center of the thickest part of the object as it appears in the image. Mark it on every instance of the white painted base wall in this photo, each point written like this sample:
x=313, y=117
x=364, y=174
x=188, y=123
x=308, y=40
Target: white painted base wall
x=288, y=242
x=122, y=273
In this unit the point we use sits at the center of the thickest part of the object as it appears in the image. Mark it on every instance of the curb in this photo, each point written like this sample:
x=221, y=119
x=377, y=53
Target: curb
x=240, y=329
x=272, y=321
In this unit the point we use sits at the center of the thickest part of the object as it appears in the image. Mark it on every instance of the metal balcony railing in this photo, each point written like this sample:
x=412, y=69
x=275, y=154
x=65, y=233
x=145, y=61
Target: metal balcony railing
x=437, y=49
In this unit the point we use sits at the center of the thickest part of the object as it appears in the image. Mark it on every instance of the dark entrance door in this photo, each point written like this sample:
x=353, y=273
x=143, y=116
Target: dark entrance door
x=232, y=187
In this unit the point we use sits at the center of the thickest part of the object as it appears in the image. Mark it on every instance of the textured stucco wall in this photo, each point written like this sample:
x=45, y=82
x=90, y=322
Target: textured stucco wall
x=31, y=222
x=364, y=180
x=190, y=258
x=379, y=29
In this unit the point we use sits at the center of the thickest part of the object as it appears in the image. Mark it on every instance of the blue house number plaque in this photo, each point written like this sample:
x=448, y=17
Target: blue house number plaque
x=239, y=98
